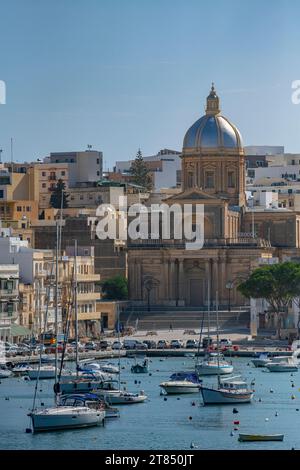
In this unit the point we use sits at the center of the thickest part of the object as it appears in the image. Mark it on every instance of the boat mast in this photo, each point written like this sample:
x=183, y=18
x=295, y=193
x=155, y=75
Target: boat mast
x=218, y=341
x=76, y=305
x=208, y=309
x=56, y=303
x=119, y=362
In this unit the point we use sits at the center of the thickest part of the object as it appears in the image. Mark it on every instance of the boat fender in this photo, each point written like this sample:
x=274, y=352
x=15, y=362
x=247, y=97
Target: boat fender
x=271, y=390
x=235, y=410
x=236, y=422
x=235, y=429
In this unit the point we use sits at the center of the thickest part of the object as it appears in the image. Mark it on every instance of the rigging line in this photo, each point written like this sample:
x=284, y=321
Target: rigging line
x=43, y=337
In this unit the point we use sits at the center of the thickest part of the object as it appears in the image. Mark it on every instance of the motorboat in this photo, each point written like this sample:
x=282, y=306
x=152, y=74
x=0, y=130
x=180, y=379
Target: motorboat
x=232, y=391
x=214, y=364
x=5, y=373
x=283, y=364
x=65, y=417
x=95, y=366
x=43, y=372
x=260, y=437
x=21, y=369
x=181, y=382
x=140, y=368
x=262, y=360
x=114, y=395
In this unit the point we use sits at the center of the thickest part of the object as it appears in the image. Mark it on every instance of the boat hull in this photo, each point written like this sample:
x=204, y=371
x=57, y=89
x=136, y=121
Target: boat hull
x=115, y=398
x=260, y=362
x=44, y=374
x=173, y=389
x=212, y=396
x=281, y=368
x=214, y=370
x=70, y=419
x=260, y=437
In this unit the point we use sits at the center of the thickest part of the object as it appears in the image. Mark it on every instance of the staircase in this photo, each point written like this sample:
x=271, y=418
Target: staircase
x=160, y=318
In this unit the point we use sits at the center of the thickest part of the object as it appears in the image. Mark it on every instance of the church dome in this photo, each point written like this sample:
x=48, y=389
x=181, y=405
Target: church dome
x=213, y=131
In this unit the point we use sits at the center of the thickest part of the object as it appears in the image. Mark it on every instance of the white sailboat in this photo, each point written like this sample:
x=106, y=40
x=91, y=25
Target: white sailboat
x=63, y=417
x=211, y=364
x=227, y=391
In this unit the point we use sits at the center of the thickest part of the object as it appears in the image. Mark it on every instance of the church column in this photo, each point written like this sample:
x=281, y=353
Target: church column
x=165, y=280
x=181, y=283
x=172, y=280
x=215, y=279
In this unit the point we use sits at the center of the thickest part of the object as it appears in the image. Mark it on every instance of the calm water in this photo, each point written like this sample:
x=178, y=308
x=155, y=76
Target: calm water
x=159, y=424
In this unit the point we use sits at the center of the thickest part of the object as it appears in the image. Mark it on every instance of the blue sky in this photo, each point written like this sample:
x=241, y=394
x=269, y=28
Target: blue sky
x=123, y=74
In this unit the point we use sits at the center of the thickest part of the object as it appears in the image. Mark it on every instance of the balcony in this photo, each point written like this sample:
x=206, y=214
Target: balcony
x=208, y=242
x=89, y=316
x=88, y=277
x=88, y=296
x=11, y=293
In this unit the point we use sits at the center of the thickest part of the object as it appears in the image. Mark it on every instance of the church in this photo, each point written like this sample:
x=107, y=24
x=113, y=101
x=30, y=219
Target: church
x=236, y=238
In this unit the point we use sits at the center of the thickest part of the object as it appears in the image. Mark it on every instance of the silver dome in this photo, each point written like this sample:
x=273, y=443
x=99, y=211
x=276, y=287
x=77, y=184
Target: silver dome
x=213, y=130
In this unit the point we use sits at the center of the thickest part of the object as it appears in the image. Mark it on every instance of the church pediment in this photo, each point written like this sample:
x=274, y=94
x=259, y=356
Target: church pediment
x=195, y=194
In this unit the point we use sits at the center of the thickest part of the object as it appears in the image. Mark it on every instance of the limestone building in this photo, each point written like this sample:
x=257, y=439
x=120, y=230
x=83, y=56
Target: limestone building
x=236, y=238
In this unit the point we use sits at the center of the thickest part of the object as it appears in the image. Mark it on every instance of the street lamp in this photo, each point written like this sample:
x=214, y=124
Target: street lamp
x=229, y=286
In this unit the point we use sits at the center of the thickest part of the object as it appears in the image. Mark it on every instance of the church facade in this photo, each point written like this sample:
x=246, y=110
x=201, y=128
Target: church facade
x=164, y=272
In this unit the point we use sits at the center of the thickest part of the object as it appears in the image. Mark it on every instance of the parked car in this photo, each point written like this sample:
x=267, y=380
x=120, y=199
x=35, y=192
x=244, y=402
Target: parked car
x=130, y=344
x=225, y=342
x=90, y=346
x=175, y=344
x=162, y=344
x=117, y=345
x=191, y=344
x=151, y=344
x=103, y=344
x=206, y=342
x=141, y=346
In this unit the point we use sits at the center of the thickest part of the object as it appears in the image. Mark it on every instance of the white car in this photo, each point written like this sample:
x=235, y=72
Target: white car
x=225, y=342
x=117, y=345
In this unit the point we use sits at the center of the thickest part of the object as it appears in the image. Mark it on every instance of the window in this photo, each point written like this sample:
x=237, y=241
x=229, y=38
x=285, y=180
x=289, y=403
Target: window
x=1, y=193
x=43, y=173
x=190, y=179
x=98, y=173
x=28, y=208
x=19, y=209
x=63, y=173
x=44, y=185
x=231, y=179
x=98, y=161
x=209, y=179
x=81, y=197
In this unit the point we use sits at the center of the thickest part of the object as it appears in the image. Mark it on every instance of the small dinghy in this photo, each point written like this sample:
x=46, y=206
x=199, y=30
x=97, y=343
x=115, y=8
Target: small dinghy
x=260, y=437
x=140, y=368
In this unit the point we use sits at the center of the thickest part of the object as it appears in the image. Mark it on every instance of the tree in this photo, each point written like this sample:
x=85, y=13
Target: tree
x=278, y=284
x=59, y=196
x=140, y=172
x=115, y=288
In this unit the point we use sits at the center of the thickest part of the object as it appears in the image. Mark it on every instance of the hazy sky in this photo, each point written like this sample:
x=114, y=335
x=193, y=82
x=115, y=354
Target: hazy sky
x=123, y=74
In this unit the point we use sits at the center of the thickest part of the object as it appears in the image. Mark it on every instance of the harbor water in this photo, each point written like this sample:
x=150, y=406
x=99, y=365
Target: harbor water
x=177, y=422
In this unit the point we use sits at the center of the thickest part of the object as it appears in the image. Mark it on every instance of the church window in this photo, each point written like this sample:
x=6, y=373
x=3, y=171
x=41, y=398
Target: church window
x=231, y=179
x=209, y=179
x=190, y=179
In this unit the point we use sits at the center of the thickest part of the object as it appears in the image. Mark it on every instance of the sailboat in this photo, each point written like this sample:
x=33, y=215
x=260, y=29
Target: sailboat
x=228, y=390
x=113, y=394
x=212, y=363
x=60, y=417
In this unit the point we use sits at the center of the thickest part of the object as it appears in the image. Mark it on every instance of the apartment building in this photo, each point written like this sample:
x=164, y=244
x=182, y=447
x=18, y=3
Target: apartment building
x=9, y=298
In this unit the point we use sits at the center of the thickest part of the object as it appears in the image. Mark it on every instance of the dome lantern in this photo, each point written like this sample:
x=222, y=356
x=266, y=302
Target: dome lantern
x=212, y=102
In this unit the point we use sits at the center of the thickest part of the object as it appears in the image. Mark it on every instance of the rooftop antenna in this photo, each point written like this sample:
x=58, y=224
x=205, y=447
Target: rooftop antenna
x=11, y=154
